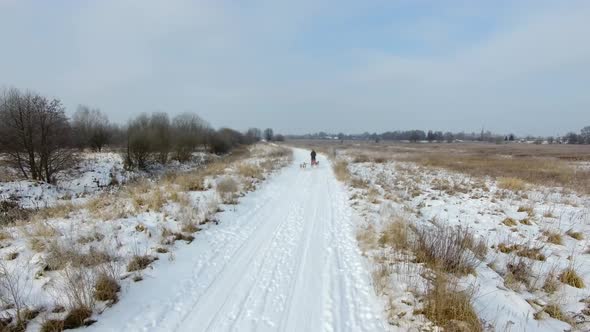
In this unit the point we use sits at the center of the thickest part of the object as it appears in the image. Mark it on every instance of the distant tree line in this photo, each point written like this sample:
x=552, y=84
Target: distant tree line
x=39, y=140
x=439, y=136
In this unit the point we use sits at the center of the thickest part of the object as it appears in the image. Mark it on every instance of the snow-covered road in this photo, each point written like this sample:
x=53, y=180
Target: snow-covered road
x=285, y=260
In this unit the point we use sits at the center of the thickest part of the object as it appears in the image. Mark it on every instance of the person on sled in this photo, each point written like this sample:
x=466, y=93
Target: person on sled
x=313, y=161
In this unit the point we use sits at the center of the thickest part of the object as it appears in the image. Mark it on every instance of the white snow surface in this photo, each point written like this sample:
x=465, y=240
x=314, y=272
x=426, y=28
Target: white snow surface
x=284, y=259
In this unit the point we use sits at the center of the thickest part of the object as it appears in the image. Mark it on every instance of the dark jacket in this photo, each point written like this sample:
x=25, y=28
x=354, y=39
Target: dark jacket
x=313, y=154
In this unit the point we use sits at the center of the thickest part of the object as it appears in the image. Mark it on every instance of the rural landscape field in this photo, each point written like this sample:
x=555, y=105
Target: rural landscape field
x=335, y=166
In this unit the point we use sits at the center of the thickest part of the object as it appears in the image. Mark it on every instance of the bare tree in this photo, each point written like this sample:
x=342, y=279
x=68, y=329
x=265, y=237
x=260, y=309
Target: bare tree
x=35, y=134
x=268, y=134
x=254, y=135
x=189, y=132
x=91, y=128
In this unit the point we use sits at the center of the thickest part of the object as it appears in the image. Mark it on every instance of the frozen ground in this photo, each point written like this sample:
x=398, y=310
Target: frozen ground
x=383, y=192
x=284, y=259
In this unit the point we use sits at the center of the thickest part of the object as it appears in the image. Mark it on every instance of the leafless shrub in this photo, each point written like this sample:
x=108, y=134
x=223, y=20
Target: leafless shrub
x=14, y=286
x=91, y=128
x=77, y=286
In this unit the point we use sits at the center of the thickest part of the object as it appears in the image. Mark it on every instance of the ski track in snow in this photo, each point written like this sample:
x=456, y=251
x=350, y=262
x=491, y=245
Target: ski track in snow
x=285, y=259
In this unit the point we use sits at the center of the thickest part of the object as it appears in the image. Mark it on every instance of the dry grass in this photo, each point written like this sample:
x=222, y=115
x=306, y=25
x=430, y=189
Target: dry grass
x=526, y=221
x=227, y=188
x=56, y=212
x=522, y=251
x=341, y=171
x=450, y=308
x=554, y=311
x=513, y=184
x=359, y=183
x=250, y=171
x=512, y=173
x=551, y=284
x=52, y=325
x=190, y=228
x=192, y=181
x=509, y=222
x=395, y=235
x=106, y=288
x=553, y=237
x=76, y=317
x=59, y=256
x=575, y=235
x=529, y=209
x=139, y=262
x=444, y=248
x=570, y=277
x=518, y=272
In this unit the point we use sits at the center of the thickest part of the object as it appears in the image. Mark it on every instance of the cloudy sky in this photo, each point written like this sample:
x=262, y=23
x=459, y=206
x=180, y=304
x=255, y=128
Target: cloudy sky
x=309, y=65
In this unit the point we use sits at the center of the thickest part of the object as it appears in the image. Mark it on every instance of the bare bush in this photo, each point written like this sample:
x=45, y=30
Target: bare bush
x=14, y=286
x=189, y=132
x=91, y=128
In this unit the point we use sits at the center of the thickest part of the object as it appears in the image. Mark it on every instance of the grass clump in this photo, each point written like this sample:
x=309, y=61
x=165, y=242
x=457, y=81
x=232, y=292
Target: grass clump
x=511, y=183
x=570, y=277
x=446, y=249
x=227, y=188
x=106, y=289
x=251, y=171
x=341, y=171
x=52, y=325
x=575, y=235
x=509, y=222
x=77, y=317
x=551, y=284
x=528, y=209
x=553, y=237
x=554, y=311
x=395, y=235
x=139, y=262
x=449, y=308
x=519, y=272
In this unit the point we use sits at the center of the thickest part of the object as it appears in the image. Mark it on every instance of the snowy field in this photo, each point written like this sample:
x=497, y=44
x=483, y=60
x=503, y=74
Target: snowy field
x=100, y=231
x=522, y=251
